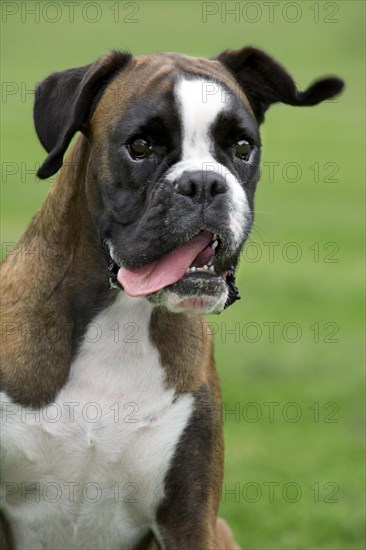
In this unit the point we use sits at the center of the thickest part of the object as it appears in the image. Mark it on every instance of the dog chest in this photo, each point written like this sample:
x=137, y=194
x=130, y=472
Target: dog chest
x=88, y=470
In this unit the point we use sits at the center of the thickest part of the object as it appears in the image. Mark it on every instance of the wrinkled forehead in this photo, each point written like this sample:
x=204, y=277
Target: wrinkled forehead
x=172, y=79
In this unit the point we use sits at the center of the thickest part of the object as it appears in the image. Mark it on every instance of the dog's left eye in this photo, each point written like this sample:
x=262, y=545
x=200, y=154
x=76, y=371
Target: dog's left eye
x=140, y=148
x=243, y=149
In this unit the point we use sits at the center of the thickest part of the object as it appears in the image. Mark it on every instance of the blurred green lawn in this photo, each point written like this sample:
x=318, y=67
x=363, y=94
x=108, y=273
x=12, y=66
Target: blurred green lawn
x=294, y=475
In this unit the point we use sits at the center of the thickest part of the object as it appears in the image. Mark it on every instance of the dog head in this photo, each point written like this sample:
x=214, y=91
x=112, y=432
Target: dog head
x=173, y=164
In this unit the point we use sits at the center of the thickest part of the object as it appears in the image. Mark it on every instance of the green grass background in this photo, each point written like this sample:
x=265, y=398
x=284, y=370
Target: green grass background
x=306, y=452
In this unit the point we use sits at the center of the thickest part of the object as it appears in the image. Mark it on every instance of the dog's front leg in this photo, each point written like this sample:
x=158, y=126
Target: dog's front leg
x=187, y=517
x=223, y=539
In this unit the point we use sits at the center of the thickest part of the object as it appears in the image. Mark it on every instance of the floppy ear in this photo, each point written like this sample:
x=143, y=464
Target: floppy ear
x=265, y=81
x=65, y=101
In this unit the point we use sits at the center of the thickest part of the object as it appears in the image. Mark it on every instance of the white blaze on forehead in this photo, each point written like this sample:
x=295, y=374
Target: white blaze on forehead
x=200, y=102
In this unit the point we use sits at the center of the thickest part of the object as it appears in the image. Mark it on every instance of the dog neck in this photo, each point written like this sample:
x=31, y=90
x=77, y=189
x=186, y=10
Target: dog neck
x=52, y=285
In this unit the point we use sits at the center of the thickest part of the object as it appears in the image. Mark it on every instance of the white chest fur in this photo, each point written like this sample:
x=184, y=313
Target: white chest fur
x=87, y=471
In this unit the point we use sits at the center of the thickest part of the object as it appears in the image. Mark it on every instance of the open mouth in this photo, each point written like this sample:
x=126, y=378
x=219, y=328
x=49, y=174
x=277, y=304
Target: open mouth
x=194, y=259
x=196, y=272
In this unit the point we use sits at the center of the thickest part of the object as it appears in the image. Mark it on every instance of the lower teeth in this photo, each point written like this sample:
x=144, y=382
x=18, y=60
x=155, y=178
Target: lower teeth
x=204, y=268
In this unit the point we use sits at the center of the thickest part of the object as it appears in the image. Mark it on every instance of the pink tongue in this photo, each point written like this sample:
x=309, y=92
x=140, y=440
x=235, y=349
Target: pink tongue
x=166, y=271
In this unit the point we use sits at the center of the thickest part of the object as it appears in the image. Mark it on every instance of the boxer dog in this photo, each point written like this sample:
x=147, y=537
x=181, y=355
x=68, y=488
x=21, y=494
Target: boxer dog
x=111, y=428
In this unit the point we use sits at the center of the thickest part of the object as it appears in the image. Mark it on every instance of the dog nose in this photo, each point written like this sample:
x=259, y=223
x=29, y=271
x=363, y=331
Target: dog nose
x=200, y=186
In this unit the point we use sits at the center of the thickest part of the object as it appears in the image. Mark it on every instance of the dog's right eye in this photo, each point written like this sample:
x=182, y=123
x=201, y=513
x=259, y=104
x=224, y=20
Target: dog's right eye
x=140, y=148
